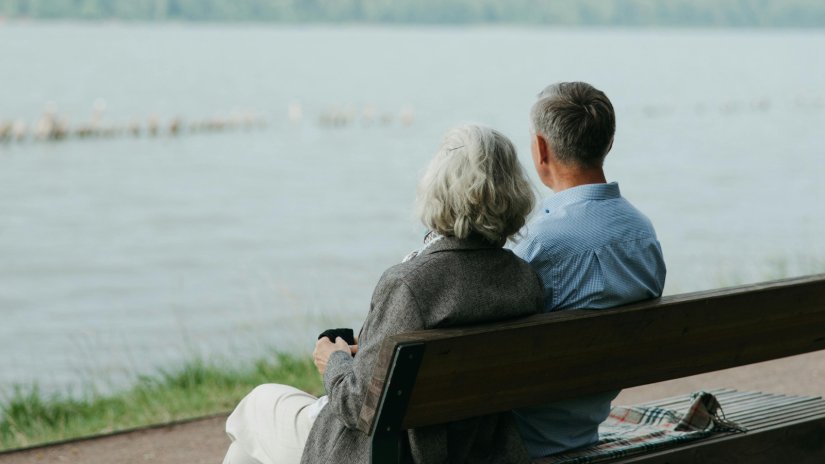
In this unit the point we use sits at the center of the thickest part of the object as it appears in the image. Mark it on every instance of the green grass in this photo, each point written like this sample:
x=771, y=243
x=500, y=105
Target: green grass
x=28, y=417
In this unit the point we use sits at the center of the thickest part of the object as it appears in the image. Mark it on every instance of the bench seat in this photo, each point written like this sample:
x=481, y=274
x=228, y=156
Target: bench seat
x=442, y=375
x=796, y=424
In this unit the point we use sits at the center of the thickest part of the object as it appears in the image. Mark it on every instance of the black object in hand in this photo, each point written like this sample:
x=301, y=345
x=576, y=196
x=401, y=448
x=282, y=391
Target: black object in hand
x=332, y=334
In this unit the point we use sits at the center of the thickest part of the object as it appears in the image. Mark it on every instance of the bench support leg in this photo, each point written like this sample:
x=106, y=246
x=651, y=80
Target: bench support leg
x=387, y=435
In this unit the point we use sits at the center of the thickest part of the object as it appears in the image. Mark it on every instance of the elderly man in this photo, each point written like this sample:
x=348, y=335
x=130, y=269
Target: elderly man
x=592, y=248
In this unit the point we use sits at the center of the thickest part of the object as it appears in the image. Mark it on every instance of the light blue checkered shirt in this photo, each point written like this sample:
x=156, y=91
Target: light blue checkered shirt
x=593, y=250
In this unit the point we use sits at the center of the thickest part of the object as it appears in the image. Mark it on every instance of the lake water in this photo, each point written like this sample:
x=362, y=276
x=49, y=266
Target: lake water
x=124, y=254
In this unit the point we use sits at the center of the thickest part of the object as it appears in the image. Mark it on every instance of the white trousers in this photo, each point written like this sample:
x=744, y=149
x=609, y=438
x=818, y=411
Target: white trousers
x=269, y=426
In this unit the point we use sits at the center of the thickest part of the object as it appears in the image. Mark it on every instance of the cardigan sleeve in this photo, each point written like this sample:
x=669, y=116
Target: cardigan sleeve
x=393, y=310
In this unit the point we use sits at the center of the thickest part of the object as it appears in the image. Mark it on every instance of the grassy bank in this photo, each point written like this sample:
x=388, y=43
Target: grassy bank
x=197, y=388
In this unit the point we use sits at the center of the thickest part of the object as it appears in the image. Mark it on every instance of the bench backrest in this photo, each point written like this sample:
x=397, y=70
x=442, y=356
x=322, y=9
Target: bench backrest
x=436, y=376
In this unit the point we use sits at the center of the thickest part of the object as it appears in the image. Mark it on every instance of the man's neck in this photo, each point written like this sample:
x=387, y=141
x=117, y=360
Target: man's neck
x=565, y=177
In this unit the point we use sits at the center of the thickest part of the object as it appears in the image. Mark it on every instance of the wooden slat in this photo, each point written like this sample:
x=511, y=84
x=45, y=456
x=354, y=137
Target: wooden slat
x=769, y=413
x=778, y=417
x=474, y=371
x=801, y=442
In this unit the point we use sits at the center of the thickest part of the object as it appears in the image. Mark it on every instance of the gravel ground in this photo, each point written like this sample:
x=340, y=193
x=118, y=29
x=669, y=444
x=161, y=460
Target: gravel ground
x=203, y=441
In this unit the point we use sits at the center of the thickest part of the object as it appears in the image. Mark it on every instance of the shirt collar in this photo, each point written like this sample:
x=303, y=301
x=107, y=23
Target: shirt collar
x=579, y=194
x=473, y=242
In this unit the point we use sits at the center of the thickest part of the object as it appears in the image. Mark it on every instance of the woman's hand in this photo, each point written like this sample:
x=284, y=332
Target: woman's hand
x=324, y=349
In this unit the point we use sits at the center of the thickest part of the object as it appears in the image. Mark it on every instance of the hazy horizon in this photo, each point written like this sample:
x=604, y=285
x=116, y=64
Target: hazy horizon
x=806, y=14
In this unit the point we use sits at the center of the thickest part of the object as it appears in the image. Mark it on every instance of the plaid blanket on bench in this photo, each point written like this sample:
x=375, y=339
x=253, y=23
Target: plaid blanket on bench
x=637, y=429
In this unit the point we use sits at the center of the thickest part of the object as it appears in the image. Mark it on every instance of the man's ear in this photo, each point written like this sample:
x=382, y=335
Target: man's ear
x=543, y=149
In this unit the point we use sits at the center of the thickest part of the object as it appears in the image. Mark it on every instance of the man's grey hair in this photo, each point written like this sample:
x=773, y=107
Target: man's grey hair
x=578, y=122
x=475, y=184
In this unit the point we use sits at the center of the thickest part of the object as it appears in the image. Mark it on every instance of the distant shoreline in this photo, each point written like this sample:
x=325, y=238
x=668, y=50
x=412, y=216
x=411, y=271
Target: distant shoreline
x=114, y=22
x=761, y=14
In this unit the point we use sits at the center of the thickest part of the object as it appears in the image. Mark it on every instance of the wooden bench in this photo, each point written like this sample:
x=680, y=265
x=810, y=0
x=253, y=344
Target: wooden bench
x=436, y=376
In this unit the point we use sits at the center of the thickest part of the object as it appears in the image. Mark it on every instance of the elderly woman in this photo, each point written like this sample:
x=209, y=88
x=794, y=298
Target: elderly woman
x=473, y=197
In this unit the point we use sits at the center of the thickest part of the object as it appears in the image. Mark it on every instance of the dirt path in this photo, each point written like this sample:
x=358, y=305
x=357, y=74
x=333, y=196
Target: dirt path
x=201, y=441
x=204, y=441
x=797, y=375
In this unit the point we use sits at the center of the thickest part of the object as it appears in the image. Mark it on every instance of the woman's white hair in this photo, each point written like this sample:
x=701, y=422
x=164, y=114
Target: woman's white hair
x=475, y=183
